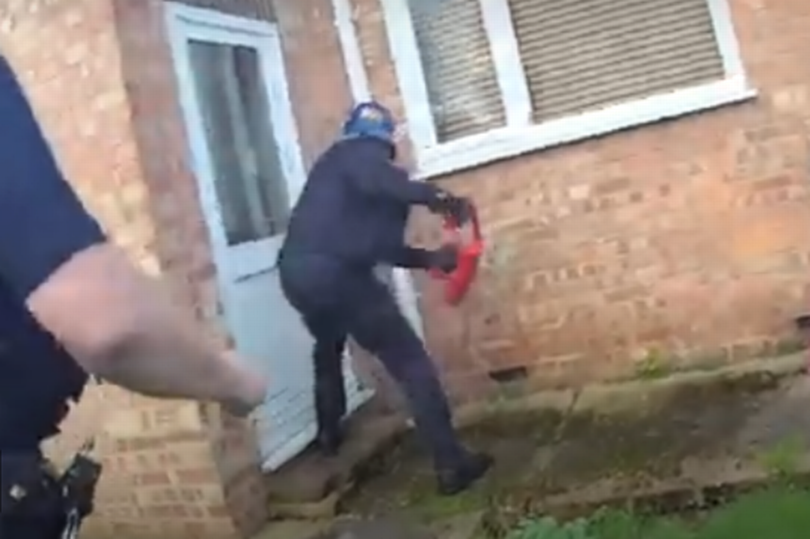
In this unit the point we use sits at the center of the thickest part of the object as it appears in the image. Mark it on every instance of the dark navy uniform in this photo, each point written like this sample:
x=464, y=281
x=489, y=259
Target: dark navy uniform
x=350, y=217
x=42, y=224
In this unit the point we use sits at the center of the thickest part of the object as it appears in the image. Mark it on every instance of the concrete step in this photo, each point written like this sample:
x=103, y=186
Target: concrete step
x=311, y=485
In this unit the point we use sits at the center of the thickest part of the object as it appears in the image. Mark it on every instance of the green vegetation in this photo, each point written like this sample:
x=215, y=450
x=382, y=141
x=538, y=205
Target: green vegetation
x=782, y=460
x=655, y=364
x=777, y=513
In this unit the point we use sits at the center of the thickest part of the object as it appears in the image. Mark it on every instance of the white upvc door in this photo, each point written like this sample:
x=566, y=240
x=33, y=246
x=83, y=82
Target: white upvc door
x=246, y=156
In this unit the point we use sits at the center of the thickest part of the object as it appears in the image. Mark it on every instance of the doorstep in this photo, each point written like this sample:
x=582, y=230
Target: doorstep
x=311, y=485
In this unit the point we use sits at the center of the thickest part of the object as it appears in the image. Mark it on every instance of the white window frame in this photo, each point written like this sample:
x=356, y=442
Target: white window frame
x=521, y=135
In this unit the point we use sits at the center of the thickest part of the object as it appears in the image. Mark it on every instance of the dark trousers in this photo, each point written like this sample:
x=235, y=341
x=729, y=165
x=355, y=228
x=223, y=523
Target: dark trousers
x=37, y=515
x=337, y=302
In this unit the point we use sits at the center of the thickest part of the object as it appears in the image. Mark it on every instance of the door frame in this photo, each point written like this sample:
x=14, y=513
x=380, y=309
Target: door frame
x=183, y=23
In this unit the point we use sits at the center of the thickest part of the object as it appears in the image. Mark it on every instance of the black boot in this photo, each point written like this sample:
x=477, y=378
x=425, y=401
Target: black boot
x=330, y=426
x=330, y=409
x=329, y=440
x=455, y=480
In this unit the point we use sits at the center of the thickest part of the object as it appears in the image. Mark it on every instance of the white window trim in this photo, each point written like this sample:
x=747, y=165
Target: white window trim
x=520, y=135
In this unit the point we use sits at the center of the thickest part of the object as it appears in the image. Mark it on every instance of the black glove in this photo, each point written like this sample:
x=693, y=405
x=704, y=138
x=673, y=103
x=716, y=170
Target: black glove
x=444, y=259
x=457, y=208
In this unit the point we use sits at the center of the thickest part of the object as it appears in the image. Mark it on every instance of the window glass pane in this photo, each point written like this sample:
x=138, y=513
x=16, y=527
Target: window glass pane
x=248, y=176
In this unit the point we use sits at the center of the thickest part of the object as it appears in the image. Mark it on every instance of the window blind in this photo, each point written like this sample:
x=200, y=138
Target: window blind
x=582, y=55
x=459, y=73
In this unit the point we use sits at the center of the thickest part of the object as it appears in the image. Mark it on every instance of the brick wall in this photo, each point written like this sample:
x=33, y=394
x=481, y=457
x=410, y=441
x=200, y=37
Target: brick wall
x=254, y=9
x=688, y=240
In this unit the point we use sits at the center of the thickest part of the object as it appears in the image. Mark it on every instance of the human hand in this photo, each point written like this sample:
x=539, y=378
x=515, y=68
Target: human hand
x=247, y=393
x=460, y=209
x=444, y=259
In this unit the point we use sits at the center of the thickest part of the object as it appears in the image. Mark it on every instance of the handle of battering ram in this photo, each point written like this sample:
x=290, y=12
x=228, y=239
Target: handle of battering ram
x=470, y=244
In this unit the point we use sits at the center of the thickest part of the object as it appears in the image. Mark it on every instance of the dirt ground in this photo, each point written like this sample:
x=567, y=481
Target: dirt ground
x=754, y=417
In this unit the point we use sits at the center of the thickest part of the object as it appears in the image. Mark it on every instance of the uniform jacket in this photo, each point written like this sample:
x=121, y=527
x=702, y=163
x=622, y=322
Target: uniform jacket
x=355, y=207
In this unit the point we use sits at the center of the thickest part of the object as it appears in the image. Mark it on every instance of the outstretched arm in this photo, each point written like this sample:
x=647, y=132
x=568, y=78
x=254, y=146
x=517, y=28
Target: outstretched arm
x=372, y=173
x=411, y=258
x=114, y=320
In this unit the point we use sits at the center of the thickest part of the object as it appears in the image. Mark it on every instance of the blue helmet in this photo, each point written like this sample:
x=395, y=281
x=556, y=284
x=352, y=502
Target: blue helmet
x=372, y=120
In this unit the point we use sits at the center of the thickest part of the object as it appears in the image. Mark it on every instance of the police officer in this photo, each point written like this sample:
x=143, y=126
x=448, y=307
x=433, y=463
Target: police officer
x=351, y=217
x=71, y=303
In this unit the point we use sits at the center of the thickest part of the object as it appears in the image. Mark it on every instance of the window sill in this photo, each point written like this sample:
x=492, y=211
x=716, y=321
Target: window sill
x=509, y=142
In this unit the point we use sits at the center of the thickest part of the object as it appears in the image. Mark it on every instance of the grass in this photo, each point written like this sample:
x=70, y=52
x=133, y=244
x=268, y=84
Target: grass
x=781, y=512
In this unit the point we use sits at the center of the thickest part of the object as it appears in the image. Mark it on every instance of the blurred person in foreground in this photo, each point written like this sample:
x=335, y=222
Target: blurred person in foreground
x=72, y=305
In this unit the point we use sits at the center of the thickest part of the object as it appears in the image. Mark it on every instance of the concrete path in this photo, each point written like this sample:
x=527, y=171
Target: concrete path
x=772, y=424
x=459, y=527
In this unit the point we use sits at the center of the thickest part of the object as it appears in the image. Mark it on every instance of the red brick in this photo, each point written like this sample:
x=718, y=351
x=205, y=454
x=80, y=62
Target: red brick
x=197, y=476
